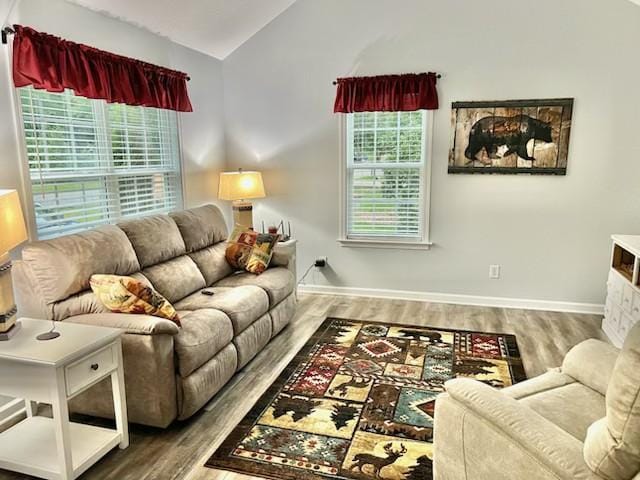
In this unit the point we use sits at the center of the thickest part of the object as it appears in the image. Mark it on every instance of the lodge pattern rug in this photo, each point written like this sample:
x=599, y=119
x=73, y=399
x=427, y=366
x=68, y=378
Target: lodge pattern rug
x=357, y=402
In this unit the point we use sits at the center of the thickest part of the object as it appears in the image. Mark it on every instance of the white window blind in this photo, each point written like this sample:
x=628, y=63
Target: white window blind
x=385, y=175
x=92, y=163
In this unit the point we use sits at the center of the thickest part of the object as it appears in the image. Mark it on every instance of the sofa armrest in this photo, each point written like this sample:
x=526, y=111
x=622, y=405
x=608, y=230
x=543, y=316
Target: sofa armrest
x=130, y=323
x=591, y=363
x=284, y=255
x=551, y=446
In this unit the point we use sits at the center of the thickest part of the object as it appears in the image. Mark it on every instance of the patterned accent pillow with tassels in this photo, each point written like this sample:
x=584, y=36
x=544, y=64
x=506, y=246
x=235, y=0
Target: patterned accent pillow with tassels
x=129, y=295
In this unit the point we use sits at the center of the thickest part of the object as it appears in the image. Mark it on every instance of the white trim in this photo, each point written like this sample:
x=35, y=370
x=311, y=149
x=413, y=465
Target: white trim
x=183, y=182
x=423, y=242
x=457, y=299
x=342, y=176
x=427, y=143
x=18, y=129
x=103, y=127
x=370, y=243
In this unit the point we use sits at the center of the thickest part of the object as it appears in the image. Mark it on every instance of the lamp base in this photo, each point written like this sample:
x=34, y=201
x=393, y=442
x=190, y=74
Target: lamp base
x=4, y=336
x=7, y=305
x=243, y=213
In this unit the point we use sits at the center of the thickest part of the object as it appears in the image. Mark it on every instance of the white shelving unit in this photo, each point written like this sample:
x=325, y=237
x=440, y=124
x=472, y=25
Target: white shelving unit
x=622, y=309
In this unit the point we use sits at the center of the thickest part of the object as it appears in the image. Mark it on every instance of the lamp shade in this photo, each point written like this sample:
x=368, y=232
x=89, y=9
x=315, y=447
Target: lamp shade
x=240, y=185
x=12, y=229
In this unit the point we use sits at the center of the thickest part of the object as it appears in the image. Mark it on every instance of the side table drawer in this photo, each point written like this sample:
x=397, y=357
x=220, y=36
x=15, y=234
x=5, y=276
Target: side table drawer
x=89, y=369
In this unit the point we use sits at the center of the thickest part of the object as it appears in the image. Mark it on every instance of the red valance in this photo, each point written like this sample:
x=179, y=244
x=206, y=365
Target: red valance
x=53, y=64
x=387, y=93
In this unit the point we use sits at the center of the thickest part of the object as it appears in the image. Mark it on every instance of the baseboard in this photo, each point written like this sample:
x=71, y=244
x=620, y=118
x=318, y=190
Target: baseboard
x=504, y=302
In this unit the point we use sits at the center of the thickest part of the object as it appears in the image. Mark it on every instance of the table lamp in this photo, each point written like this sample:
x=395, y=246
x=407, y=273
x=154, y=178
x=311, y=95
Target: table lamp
x=12, y=233
x=239, y=187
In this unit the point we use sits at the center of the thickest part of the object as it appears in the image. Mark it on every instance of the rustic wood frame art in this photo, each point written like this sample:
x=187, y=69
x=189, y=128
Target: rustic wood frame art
x=512, y=136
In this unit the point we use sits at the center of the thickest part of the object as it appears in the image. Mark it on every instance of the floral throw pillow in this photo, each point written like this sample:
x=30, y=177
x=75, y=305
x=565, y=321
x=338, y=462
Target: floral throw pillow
x=249, y=250
x=129, y=295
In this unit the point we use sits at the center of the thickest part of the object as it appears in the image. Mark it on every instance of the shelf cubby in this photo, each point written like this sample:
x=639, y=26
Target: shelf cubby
x=623, y=261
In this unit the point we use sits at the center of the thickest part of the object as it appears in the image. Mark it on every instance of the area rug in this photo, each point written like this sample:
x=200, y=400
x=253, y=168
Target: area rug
x=357, y=402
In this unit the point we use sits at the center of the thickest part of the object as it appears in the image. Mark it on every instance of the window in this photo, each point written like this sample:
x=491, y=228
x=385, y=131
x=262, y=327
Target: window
x=92, y=163
x=386, y=177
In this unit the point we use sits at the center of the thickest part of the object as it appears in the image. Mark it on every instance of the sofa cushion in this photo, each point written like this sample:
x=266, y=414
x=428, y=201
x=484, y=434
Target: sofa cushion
x=200, y=227
x=253, y=339
x=587, y=406
x=243, y=305
x=591, y=363
x=612, y=446
x=84, y=303
x=277, y=282
x=155, y=239
x=553, y=378
x=63, y=266
x=79, y=304
x=175, y=278
x=212, y=263
x=203, y=334
x=282, y=314
x=197, y=389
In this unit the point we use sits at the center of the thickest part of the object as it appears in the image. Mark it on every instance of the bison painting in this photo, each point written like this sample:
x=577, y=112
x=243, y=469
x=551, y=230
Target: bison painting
x=517, y=136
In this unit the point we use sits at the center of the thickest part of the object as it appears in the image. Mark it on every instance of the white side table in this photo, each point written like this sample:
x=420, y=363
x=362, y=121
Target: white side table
x=53, y=372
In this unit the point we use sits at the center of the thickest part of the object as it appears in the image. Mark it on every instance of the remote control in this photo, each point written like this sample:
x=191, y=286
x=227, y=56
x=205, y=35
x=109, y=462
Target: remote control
x=208, y=292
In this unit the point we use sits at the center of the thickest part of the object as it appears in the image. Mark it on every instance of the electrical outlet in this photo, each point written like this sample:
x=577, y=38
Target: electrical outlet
x=494, y=271
x=321, y=262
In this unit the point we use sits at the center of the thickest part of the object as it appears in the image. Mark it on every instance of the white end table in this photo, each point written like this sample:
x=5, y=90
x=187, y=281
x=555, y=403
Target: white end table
x=52, y=372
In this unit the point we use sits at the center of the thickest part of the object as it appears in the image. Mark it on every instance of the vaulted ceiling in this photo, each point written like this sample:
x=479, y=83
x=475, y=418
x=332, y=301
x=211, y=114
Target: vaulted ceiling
x=214, y=27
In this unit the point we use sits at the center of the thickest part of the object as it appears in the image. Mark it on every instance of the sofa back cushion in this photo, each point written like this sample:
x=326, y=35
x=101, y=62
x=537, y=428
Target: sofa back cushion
x=212, y=262
x=155, y=239
x=205, y=233
x=612, y=446
x=59, y=269
x=63, y=266
x=200, y=227
x=175, y=278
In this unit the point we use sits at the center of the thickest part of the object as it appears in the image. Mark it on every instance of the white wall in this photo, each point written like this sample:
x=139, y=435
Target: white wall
x=550, y=234
x=202, y=130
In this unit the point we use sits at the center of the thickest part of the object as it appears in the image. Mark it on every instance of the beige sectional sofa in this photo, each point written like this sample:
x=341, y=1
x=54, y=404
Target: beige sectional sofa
x=577, y=422
x=170, y=372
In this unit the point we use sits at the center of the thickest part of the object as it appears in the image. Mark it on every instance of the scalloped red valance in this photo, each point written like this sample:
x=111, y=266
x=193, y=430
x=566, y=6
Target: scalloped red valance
x=387, y=93
x=54, y=64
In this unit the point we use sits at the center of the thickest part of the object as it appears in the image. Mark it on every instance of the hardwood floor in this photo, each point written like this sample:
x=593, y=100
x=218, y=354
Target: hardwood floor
x=180, y=451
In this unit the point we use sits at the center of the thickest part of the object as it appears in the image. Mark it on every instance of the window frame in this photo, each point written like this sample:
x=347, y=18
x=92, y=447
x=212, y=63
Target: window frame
x=423, y=240
x=25, y=173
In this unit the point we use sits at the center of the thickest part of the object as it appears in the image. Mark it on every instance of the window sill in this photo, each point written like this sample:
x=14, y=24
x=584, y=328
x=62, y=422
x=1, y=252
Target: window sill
x=395, y=244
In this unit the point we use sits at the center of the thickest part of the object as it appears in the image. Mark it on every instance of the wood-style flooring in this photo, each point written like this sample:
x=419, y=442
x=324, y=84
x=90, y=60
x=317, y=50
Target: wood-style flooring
x=180, y=451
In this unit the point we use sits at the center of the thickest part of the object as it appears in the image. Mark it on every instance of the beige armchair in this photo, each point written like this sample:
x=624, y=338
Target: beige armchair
x=580, y=421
